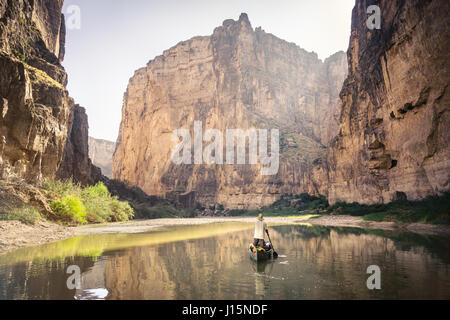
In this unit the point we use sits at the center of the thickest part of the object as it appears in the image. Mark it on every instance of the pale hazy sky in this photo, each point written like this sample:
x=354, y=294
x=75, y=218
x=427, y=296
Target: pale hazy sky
x=117, y=37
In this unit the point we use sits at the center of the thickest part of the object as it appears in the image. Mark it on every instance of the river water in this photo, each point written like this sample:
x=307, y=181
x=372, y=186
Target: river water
x=212, y=262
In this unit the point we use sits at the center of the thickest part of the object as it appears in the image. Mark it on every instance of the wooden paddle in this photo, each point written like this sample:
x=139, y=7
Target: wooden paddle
x=275, y=254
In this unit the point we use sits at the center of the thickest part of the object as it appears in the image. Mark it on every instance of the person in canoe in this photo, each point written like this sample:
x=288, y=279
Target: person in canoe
x=259, y=249
x=260, y=230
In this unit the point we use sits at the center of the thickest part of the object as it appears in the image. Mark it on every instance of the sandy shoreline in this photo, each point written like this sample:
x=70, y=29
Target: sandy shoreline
x=14, y=235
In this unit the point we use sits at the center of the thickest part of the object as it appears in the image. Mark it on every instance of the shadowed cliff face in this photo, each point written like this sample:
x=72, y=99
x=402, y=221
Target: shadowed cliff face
x=394, y=137
x=76, y=164
x=238, y=78
x=42, y=133
x=34, y=105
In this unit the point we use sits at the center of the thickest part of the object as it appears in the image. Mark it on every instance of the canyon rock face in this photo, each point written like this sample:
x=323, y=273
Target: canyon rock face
x=394, y=140
x=42, y=133
x=238, y=78
x=35, y=107
x=76, y=164
x=101, y=153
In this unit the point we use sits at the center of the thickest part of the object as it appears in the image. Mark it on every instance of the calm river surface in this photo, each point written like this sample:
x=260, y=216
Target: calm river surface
x=212, y=262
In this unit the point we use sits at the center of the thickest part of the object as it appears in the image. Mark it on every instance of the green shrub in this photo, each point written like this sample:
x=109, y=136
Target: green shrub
x=198, y=206
x=158, y=211
x=70, y=209
x=97, y=191
x=187, y=213
x=120, y=211
x=293, y=204
x=237, y=212
x=318, y=204
x=100, y=206
x=59, y=189
x=162, y=211
x=288, y=205
x=434, y=209
x=25, y=215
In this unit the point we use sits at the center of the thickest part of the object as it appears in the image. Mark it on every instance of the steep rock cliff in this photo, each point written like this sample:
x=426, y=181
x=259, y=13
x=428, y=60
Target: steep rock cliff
x=42, y=133
x=394, y=139
x=35, y=107
x=238, y=78
x=76, y=164
x=101, y=153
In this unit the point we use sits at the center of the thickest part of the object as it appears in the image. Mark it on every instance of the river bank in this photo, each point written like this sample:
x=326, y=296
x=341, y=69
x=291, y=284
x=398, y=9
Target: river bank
x=14, y=234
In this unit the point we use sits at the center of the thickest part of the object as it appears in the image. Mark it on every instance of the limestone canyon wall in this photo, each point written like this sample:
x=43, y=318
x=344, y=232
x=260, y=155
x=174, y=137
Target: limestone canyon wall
x=34, y=105
x=42, y=133
x=76, y=164
x=394, y=136
x=238, y=78
x=101, y=153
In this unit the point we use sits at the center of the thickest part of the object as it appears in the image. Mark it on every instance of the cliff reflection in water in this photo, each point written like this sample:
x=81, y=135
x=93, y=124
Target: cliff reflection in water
x=319, y=263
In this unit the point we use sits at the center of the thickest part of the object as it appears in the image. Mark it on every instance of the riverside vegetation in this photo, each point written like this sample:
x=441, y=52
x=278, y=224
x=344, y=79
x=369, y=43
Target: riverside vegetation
x=432, y=210
x=71, y=204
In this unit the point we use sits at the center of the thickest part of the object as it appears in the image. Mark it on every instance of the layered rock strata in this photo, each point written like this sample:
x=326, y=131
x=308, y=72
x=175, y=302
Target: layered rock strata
x=238, y=78
x=101, y=153
x=35, y=107
x=42, y=133
x=76, y=164
x=394, y=140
